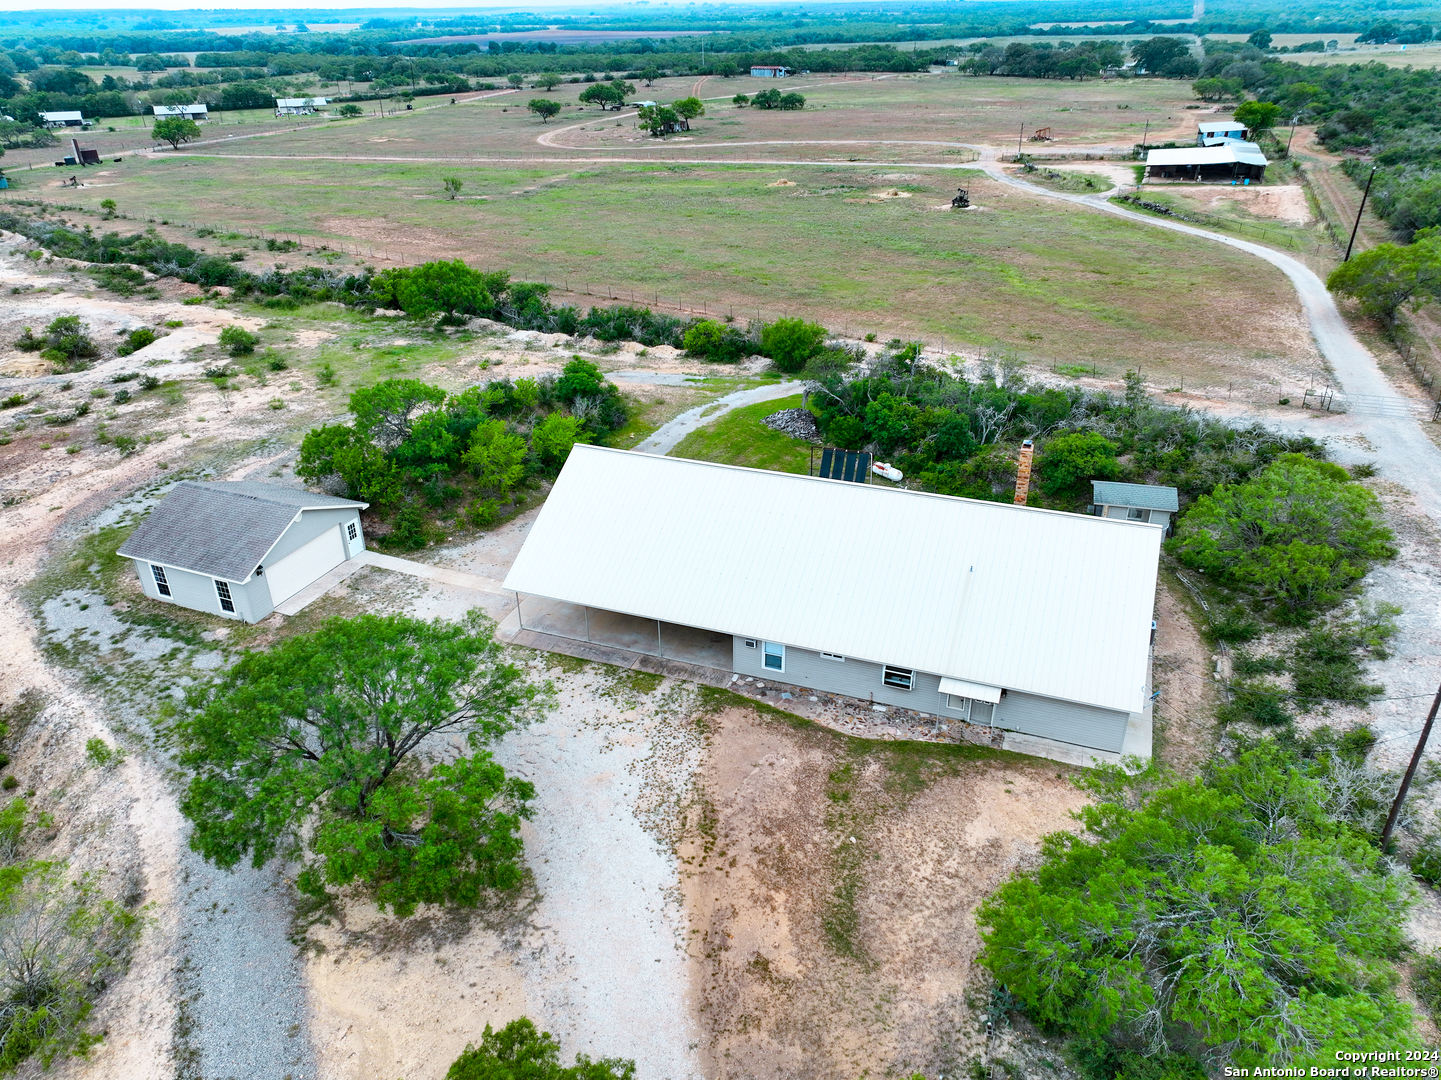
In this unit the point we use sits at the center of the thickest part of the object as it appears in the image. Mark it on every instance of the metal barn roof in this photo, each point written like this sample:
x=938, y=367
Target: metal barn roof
x=1205, y=155
x=1209, y=126
x=1036, y=600
x=222, y=529
x=58, y=117
x=1145, y=496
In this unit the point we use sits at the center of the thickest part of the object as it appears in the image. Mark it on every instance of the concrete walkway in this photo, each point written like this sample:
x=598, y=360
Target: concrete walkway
x=322, y=585
x=668, y=436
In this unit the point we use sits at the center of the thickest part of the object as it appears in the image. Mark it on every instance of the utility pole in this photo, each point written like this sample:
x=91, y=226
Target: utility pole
x=1018, y=141
x=1410, y=772
x=1291, y=136
x=1360, y=208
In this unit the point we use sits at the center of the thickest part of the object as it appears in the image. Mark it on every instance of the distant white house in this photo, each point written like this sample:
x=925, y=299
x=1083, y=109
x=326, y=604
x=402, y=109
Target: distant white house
x=299, y=106
x=767, y=72
x=1213, y=132
x=185, y=112
x=1231, y=160
x=63, y=119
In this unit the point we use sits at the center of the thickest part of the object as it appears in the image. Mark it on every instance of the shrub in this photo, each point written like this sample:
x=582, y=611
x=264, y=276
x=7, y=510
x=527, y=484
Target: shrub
x=149, y=382
x=713, y=340
x=66, y=343
x=140, y=337
x=238, y=340
x=409, y=532
x=520, y=1051
x=9, y=783
x=791, y=342
x=1070, y=462
x=101, y=754
x=121, y=396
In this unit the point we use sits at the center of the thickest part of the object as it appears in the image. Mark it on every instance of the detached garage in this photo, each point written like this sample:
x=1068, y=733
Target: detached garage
x=238, y=549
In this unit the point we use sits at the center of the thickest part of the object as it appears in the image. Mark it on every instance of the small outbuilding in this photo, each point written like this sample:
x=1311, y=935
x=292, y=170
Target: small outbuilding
x=766, y=71
x=1151, y=503
x=195, y=112
x=63, y=120
x=299, y=106
x=1032, y=621
x=1228, y=161
x=1211, y=132
x=239, y=549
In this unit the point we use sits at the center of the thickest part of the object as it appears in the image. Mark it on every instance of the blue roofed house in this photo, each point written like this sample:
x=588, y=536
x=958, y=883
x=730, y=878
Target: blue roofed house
x=1150, y=503
x=239, y=549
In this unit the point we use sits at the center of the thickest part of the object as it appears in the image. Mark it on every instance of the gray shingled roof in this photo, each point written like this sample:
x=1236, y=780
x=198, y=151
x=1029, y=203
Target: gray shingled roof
x=1145, y=496
x=221, y=528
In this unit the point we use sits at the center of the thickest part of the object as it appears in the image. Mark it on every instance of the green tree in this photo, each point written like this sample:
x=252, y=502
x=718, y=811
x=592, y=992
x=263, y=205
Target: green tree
x=450, y=288
x=554, y=437
x=544, y=108
x=515, y=79
x=659, y=120
x=387, y=412
x=608, y=95
x=1070, y=462
x=1297, y=535
x=1233, y=907
x=1388, y=277
x=1258, y=116
x=650, y=75
x=1155, y=53
x=338, y=450
x=741, y=99
x=791, y=102
x=66, y=343
x=548, y=80
x=61, y=941
x=766, y=99
x=891, y=422
x=349, y=111
x=175, y=130
x=791, y=342
x=688, y=109
x=496, y=456
x=309, y=751
x=1260, y=39
x=1217, y=89
x=520, y=1051
x=452, y=186
x=109, y=206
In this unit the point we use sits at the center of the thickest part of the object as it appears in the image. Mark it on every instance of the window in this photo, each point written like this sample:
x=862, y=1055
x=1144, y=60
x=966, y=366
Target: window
x=750, y=643
x=959, y=704
x=351, y=531
x=775, y=656
x=222, y=589
x=898, y=678
x=160, y=582
x=837, y=657
x=1136, y=515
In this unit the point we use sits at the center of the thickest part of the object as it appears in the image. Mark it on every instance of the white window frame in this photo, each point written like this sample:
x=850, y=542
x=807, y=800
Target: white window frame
x=222, y=590
x=162, y=583
x=750, y=642
x=773, y=648
x=909, y=674
x=1137, y=514
x=958, y=704
x=837, y=657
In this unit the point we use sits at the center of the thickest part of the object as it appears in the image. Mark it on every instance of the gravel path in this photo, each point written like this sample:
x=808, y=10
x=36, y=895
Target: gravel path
x=668, y=436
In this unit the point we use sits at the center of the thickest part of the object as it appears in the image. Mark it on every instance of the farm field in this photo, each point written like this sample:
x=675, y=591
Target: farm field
x=739, y=220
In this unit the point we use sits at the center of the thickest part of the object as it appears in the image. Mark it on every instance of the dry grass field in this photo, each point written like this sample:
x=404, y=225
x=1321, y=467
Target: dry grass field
x=860, y=237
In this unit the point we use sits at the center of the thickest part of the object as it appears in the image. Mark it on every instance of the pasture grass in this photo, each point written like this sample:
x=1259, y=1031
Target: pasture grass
x=739, y=438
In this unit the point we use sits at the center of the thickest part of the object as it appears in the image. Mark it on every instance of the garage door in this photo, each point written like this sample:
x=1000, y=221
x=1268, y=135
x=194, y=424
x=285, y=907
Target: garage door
x=300, y=568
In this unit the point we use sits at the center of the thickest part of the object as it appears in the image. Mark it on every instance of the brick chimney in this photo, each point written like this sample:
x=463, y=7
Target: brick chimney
x=1023, y=473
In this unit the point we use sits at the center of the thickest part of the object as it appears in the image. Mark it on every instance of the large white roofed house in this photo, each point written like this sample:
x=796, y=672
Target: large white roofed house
x=240, y=548
x=1032, y=620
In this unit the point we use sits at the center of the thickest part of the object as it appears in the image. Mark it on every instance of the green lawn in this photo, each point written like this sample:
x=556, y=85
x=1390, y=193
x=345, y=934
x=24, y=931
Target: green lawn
x=739, y=438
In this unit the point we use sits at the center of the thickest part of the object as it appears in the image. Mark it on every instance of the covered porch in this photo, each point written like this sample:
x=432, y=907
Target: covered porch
x=632, y=633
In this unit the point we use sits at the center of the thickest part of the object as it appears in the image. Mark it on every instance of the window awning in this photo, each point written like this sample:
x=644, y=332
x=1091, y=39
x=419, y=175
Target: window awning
x=973, y=690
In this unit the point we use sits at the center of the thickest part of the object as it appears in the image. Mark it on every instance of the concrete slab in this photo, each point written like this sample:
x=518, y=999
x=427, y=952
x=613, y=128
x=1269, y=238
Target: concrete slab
x=432, y=573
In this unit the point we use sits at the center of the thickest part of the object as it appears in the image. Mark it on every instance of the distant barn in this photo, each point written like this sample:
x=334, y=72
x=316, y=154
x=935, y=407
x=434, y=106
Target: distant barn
x=185, y=112
x=767, y=72
x=1232, y=161
x=1213, y=132
x=63, y=119
x=299, y=106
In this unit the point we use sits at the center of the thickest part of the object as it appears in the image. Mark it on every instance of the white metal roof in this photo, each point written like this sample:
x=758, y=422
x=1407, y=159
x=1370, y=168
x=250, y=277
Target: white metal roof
x=1036, y=600
x=1209, y=126
x=56, y=117
x=1204, y=155
x=180, y=110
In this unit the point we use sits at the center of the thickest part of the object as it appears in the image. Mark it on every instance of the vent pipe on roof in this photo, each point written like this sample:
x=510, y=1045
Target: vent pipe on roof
x=1023, y=473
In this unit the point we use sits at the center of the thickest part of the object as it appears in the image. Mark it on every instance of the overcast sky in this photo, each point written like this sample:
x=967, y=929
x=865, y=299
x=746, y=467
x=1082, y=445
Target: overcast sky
x=311, y=5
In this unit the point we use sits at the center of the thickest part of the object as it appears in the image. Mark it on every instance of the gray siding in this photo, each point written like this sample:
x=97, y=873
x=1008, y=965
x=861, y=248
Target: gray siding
x=1048, y=718
x=1064, y=721
x=252, y=601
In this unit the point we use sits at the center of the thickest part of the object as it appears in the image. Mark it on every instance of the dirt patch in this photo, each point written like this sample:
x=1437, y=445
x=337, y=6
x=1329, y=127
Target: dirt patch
x=1182, y=665
x=831, y=891
x=1286, y=202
